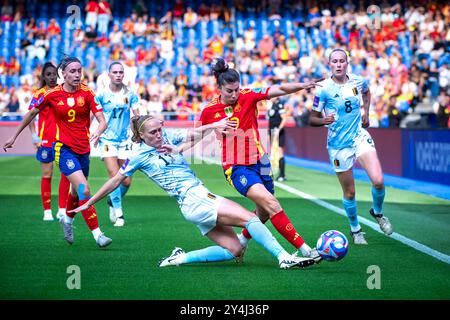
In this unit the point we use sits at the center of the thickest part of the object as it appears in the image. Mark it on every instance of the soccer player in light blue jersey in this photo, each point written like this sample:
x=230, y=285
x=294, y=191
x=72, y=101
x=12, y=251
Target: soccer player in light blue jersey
x=160, y=158
x=337, y=104
x=115, y=143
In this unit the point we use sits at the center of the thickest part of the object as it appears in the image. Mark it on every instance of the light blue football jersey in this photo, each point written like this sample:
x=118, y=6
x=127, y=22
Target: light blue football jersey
x=171, y=172
x=344, y=101
x=117, y=108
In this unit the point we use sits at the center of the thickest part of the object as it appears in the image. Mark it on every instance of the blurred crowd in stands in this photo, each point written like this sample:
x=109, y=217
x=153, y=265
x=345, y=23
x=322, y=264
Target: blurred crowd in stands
x=402, y=49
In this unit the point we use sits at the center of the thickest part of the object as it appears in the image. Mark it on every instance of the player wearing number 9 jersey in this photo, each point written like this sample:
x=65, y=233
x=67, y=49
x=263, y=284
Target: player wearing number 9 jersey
x=339, y=99
x=71, y=104
x=115, y=143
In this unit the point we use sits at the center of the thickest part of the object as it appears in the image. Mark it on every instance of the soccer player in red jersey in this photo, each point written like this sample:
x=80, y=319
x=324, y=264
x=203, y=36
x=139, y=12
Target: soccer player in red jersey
x=71, y=104
x=43, y=141
x=244, y=160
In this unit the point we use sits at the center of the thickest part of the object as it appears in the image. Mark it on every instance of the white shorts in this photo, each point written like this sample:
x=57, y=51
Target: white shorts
x=343, y=159
x=121, y=150
x=200, y=207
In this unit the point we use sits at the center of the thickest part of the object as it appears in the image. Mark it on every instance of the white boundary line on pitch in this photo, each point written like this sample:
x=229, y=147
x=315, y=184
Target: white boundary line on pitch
x=409, y=242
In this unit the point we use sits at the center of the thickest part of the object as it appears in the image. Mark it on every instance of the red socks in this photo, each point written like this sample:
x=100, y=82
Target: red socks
x=46, y=192
x=89, y=215
x=72, y=203
x=63, y=191
x=284, y=226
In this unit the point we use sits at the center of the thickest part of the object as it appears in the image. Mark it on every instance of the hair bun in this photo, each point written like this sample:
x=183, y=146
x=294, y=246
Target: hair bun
x=219, y=65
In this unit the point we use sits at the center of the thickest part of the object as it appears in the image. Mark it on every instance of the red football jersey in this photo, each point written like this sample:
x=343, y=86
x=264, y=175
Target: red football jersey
x=46, y=127
x=71, y=111
x=244, y=147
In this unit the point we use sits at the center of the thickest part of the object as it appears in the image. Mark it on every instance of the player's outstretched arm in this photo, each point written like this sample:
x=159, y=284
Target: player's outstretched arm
x=197, y=134
x=29, y=116
x=108, y=187
x=288, y=88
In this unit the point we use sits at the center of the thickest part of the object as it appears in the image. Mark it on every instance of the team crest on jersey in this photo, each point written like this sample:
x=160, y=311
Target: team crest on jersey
x=355, y=91
x=44, y=154
x=106, y=148
x=125, y=100
x=237, y=108
x=70, y=164
x=70, y=102
x=243, y=180
x=80, y=101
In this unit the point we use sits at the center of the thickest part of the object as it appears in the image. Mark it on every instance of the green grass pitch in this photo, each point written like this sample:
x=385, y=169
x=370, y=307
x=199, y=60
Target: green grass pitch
x=35, y=258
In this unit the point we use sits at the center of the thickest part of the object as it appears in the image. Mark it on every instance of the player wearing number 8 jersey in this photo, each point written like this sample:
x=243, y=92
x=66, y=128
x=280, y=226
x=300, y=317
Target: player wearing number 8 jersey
x=115, y=143
x=71, y=104
x=339, y=100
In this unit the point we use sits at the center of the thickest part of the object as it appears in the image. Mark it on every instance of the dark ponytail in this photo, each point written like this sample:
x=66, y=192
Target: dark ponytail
x=223, y=73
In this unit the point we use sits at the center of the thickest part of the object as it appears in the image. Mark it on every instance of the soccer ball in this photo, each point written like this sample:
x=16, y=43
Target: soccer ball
x=332, y=245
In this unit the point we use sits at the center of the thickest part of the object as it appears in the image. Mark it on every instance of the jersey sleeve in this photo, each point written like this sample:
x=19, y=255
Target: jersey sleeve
x=129, y=166
x=177, y=136
x=364, y=85
x=259, y=94
x=98, y=99
x=319, y=100
x=134, y=101
x=93, y=104
x=40, y=103
x=37, y=99
x=205, y=118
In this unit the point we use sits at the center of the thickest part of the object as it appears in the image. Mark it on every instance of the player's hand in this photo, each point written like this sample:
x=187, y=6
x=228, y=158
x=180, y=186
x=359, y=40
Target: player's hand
x=94, y=139
x=9, y=144
x=226, y=125
x=80, y=208
x=168, y=149
x=36, y=140
x=328, y=120
x=365, y=121
x=312, y=84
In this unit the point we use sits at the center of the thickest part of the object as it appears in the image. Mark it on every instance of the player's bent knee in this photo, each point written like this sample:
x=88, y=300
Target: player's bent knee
x=378, y=184
x=126, y=182
x=349, y=194
x=84, y=191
